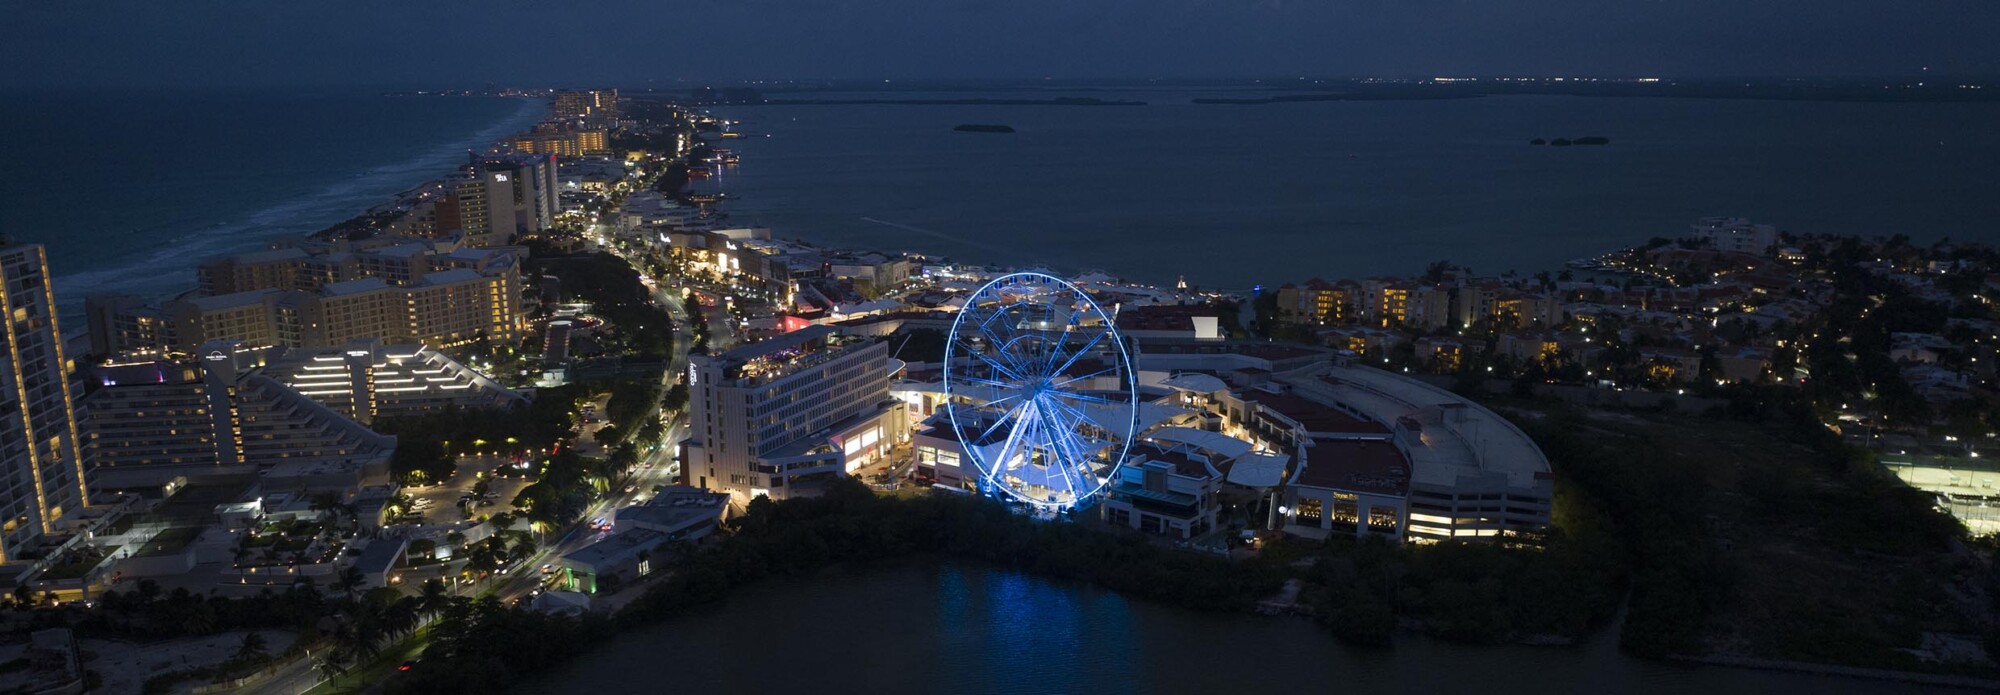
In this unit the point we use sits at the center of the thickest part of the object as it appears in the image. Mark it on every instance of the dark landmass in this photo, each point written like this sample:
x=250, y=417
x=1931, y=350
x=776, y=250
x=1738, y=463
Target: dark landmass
x=983, y=128
x=1566, y=142
x=1059, y=101
x=1345, y=96
x=1780, y=90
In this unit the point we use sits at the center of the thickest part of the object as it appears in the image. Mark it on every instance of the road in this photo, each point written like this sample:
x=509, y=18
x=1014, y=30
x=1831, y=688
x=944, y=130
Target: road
x=657, y=467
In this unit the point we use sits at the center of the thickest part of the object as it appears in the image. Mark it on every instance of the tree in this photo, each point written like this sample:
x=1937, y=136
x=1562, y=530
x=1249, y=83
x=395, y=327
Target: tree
x=433, y=596
x=148, y=590
x=524, y=546
x=334, y=662
x=349, y=581
x=252, y=646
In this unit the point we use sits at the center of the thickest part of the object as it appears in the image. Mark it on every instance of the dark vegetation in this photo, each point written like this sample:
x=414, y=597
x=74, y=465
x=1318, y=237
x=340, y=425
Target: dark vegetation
x=1647, y=510
x=636, y=328
x=1754, y=531
x=491, y=646
x=427, y=446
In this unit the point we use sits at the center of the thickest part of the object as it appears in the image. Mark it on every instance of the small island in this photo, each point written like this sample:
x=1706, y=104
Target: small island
x=983, y=128
x=1566, y=142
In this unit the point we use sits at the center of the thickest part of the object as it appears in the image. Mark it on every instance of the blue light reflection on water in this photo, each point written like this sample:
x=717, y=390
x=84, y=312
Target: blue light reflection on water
x=972, y=629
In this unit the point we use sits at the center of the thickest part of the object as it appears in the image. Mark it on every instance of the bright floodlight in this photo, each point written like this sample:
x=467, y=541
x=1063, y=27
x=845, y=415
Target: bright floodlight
x=1043, y=394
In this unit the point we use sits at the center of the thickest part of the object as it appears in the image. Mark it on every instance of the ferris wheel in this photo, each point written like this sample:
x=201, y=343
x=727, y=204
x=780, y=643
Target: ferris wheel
x=1043, y=395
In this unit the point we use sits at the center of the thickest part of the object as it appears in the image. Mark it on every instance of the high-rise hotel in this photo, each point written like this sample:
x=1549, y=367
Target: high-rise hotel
x=41, y=476
x=779, y=417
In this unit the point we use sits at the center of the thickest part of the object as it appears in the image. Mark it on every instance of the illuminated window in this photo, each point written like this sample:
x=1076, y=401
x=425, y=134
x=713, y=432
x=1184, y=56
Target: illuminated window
x=1382, y=518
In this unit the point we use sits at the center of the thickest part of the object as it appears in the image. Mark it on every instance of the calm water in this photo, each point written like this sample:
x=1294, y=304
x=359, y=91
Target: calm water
x=973, y=630
x=1234, y=196
x=130, y=189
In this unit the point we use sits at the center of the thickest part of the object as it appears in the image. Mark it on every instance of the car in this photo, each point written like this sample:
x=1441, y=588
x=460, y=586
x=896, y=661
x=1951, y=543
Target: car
x=407, y=665
x=548, y=569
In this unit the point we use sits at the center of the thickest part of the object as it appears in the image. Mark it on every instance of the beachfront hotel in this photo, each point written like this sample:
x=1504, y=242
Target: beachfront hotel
x=492, y=200
x=149, y=421
x=433, y=292
x=41, y=473
x=563, y=143
x=774, y=417
x=577, y=104
x=233, y=408
x=367, y=380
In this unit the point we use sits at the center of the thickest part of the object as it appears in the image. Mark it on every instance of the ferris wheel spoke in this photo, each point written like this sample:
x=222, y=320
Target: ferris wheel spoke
x=997, y=366
x=1080, y=352
x=994, y=383
x=1025, y=338
x=1023, y=422
x=1080, y=418
x=1085, y=397
x=1092, y=375
x=998, y=401
x=1062, y=447
x=1077, y=457
x=1004, y=417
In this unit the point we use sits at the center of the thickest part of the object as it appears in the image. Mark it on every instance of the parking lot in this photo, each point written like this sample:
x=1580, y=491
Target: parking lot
x=439, y=503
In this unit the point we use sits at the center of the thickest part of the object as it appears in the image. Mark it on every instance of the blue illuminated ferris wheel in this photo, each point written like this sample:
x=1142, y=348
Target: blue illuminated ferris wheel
x=1042, y=391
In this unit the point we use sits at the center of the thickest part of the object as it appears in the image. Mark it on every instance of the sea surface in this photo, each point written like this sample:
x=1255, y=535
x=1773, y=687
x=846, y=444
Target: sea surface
x=971, y=629
x=130, y=189
x=1234, y=196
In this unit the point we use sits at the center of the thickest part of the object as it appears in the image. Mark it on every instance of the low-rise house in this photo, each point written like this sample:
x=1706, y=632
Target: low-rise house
x=620, y=558
x=1168, y=489
x=679, y=512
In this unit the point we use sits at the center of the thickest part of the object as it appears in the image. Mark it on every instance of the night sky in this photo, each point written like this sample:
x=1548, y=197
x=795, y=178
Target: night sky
x=510, y=42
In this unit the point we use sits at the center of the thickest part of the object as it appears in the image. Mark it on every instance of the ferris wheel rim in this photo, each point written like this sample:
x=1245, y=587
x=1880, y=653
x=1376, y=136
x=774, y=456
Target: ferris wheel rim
x=1048, y=379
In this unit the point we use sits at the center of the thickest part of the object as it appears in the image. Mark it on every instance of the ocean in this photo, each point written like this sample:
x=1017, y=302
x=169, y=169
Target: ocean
x=129, y=190
x=1234, y=196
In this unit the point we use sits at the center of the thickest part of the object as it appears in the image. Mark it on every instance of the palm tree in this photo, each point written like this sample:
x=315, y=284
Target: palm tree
x=433, y=596
x=326, y=503
x=350, y=579
x=253, y=646
x=333, y=663
x=524, y=546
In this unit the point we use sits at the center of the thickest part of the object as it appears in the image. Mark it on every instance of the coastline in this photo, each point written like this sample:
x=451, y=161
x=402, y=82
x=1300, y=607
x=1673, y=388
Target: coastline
x=1914, y=677
x=1876, y=674
x=164, y=268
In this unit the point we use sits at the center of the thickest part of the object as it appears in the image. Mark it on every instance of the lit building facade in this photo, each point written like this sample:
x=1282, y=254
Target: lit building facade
x=1166, y=488
x=41, y=472
x=770, y=418
x=215, y=412
x=429, y=292
x=368, y=380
